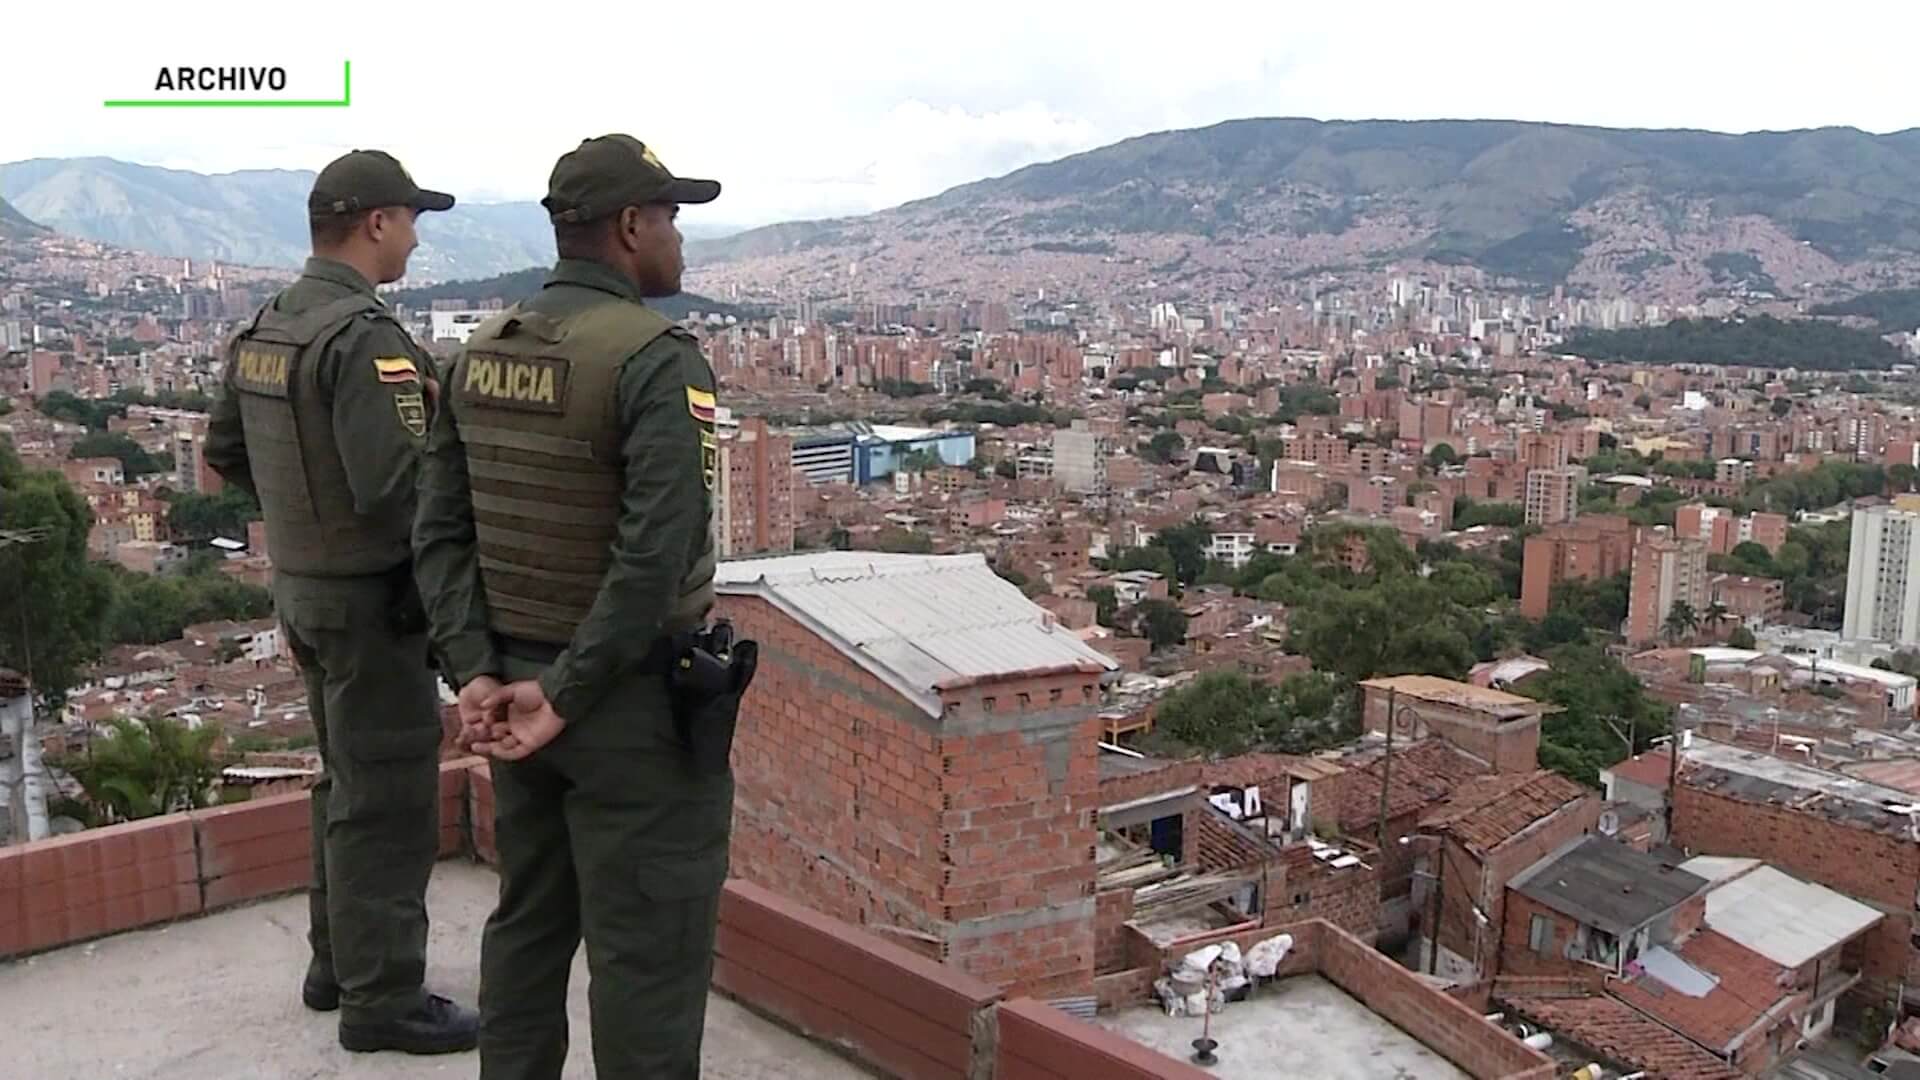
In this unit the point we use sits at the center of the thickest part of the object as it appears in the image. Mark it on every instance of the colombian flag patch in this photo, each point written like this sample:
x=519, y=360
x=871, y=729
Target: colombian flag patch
x=701, y=404
x=396, y=369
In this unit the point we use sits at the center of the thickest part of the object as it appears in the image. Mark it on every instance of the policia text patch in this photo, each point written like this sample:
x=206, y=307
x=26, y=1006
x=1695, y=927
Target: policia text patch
x=262, y=369
x=526, y=383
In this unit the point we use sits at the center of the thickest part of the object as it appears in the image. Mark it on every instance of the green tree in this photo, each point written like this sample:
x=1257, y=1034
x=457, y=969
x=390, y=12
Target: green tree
x=1901, y=477
x=1188, y=545
x=193, y=516
x=134, y=461
x=1780, y=407
x=1105, y=604
x=1741, y=638
x=1467, y=514
x=1226, y=712
x=1396, y=626
x=1161, y=623
x=147, y=610
x=51, y=625
x=1591, y=688
x=903, y=541
x=148, y=767
x=1163, y=447
x=1150, y=557
x=1681, y=620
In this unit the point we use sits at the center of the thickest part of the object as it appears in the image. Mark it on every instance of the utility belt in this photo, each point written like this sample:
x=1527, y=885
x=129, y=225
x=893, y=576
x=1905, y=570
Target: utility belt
x=707, y=672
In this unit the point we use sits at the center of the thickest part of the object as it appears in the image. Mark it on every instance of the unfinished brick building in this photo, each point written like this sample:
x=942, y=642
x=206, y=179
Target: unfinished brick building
x=918, y=756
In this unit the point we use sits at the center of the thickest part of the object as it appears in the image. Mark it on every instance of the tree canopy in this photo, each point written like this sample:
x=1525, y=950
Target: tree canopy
x=1757, y=341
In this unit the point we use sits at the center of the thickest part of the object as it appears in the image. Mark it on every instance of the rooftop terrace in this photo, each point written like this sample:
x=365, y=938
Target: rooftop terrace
x=1303, y=1028
x=218, y=999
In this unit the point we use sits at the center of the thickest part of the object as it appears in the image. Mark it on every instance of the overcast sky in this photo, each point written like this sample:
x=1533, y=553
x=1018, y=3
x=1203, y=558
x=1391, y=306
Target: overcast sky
x=825, y=109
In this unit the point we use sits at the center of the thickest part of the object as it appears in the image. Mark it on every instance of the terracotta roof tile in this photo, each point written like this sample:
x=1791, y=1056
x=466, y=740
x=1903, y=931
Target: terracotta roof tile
x=1615, y=1029
x=1749, y=985
x=1423, y=775
x=1487, y=811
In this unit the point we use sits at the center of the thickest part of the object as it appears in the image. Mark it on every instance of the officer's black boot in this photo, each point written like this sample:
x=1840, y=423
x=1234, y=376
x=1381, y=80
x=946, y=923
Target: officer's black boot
x=319, y=991
x=435, y=1026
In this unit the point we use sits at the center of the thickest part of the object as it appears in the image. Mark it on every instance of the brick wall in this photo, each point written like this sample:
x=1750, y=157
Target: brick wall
x=1112, y=909
x=837, y=782
x=1039, y=1042
x=1347, y=898
x=976, y=828
x=1469, y=881
x=1516, y=953
x=1451, y=1028
x=909, y=1015
x=1882, y=869
x=102, y=881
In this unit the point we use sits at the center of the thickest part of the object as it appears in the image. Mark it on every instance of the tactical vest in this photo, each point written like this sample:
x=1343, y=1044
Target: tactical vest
x=539, y=404
x=312, y=527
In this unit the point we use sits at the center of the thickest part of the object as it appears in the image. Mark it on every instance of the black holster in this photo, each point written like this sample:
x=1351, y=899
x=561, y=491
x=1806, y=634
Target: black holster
x=709, y=675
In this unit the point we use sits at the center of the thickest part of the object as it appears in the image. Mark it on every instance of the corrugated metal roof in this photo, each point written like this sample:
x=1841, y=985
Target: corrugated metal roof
x=918, y=622
x=1606, y=884
x=1782, y=918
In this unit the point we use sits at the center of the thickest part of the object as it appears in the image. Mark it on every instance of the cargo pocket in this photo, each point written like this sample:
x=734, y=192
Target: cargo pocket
x=683, y=898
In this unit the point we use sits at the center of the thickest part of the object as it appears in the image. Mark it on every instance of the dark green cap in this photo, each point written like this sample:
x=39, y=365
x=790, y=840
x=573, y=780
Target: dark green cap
x=603, y=175
x=368, y=180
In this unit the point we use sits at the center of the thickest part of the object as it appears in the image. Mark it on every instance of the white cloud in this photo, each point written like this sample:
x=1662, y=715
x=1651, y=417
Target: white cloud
x=828, y=109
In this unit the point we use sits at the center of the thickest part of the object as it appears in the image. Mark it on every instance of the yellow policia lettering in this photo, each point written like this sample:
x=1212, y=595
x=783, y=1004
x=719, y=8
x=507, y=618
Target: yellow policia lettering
x=263, y=368
x=508, y=380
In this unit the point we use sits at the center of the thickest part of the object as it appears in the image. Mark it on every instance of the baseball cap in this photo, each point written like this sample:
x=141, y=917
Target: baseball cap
x=602, y=175
x=367, y=180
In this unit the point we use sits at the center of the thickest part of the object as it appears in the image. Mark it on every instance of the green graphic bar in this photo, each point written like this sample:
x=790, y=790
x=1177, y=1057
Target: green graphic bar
x=345, y=99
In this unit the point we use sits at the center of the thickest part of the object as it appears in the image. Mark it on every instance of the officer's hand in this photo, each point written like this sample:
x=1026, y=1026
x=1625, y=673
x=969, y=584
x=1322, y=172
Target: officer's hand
x=530, y=723
x=481, y=702
x=431, y=387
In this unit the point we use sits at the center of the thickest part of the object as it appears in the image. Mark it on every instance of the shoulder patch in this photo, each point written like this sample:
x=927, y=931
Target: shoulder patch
x=701, y=404
x=396, y=369
x=412, y=408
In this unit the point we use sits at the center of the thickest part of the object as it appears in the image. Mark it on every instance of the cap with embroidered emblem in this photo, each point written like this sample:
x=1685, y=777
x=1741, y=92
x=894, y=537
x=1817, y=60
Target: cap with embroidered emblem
x=603, y=175
x=369, y=180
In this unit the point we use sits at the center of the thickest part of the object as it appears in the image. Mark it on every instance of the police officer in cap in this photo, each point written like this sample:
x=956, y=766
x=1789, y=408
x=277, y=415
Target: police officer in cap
x=322, y=418
x=563, y=538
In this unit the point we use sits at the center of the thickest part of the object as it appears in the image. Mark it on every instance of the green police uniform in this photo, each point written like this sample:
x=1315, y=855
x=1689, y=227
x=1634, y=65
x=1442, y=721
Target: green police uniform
x=563, y=532
x=323, y=416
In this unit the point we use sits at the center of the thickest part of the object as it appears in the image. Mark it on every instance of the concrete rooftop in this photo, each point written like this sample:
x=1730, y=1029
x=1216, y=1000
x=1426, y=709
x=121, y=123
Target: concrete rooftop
x=1302, y=1028
x=217, y=998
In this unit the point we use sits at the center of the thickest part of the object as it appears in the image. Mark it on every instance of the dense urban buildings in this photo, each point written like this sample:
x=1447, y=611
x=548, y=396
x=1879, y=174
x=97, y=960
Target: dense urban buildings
x=1104, y=624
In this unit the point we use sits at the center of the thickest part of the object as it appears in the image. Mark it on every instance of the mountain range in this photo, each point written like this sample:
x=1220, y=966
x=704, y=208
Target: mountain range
x=14, y=224
x=255, y=217
x=1669, y=216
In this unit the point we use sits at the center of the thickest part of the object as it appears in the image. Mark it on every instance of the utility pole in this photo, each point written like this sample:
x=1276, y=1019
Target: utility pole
x=1386, y=770
x=1632, y=726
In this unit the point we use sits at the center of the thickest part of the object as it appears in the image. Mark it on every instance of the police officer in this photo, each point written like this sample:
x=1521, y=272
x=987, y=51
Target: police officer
x=562, y=539
x=322, y=418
